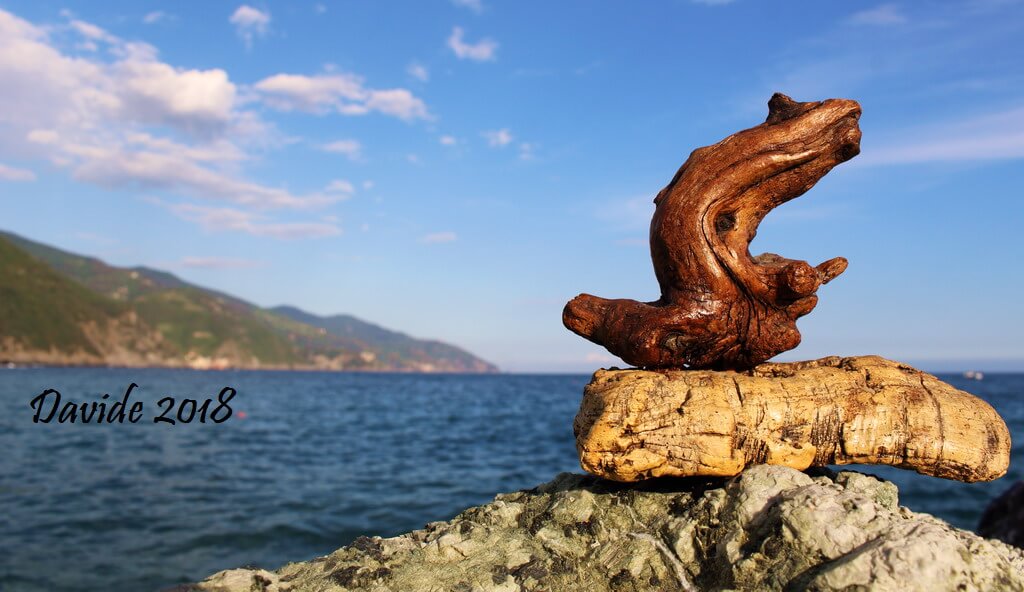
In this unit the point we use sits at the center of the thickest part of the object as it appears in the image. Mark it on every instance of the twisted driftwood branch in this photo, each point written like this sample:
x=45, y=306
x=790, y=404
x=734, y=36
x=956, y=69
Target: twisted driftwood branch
x=720, y=307
x=636, y=424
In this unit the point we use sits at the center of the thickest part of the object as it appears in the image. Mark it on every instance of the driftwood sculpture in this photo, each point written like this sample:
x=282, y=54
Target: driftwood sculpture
x=636, y=424
x=721, y=308
x=706, y=405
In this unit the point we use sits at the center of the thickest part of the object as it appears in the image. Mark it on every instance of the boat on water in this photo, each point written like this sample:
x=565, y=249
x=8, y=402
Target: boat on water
x=974, y=375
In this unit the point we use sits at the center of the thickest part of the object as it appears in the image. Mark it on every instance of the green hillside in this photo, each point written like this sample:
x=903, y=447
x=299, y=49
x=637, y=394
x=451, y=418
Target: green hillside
x=189, y=319
x=53, y=300
x=40, y=309
x=388, y=346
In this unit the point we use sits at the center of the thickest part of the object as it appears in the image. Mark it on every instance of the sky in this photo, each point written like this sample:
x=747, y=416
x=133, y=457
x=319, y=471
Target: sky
x=459, y=169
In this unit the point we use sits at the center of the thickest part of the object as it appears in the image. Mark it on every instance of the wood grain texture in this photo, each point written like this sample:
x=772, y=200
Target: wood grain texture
x=637, y=424
x=720, y=307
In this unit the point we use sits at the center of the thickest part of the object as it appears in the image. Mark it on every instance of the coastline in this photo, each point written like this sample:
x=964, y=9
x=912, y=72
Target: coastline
x=193, y=361
x=8, y=365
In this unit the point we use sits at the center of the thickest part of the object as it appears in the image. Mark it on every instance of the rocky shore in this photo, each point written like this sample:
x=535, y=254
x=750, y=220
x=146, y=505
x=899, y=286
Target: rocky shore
x=770, y=528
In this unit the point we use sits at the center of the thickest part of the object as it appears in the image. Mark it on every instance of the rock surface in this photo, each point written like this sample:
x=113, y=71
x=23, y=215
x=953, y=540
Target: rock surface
x=770, y=528
x=637, y=424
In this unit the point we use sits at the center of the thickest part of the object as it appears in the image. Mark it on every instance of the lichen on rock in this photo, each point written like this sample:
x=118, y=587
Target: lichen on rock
x=769, y=528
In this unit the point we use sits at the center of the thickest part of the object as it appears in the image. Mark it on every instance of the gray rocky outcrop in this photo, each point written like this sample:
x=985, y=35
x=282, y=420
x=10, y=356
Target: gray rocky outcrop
x=770, y=528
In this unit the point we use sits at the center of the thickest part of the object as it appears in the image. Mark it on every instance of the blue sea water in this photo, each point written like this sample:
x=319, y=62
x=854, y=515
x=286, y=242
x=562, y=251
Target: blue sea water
x=317, y=460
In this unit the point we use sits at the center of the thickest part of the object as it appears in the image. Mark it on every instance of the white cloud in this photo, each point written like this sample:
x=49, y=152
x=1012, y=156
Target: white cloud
x=145, y=163
x=250, y=23
x=498, y=138
x=474, y=5
x=397, y=102
x=350, y=148
x=448, y=141
x=341, y=186
x=154, y=17
x=343, y=92
x=44, y=88
x=9, y=173
x=881, y=16
x=440, y=237
x=131, y=122
x=480, y=51
x=413, y=159
x=996, y=136
x=221, y=219
x=340, y=92
x=367, y=185
x=418, y=71
x=193, y=100
x=92, y=32
x=219, y=263
x=320, y=8
x=526, y=151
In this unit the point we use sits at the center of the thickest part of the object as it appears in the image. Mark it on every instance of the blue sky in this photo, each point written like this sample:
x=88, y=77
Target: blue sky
x=460, y=169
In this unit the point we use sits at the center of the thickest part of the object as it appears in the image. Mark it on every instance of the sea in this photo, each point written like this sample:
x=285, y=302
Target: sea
x=287, y=466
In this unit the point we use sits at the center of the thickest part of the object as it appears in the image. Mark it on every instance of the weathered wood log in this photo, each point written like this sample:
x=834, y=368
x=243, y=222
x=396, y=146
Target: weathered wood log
x=637, y=424
x=720, y=307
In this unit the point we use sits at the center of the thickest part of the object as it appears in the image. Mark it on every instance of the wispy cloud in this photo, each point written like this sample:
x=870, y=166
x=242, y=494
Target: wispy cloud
x=498, y=138
x=418, y=71
x=885, y=15
x=229, y=219
x=910, y=62
x=43, y=85
x=341, y=186
x=338, y=92
x=526, y=151
x=448, y=140
x=250, y=23
x=9, y=173
x=152, y=18
x=996, y=136
x=474, y=5
x=481, y=51
x=125, y=119
x=92, y=33
x=92, y=117
x=439, y=237
x=141, y=161
x=219, y=263
x=353, y=149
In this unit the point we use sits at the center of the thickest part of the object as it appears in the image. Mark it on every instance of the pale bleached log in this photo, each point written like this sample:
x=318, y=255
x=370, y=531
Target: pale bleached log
x=638, y=424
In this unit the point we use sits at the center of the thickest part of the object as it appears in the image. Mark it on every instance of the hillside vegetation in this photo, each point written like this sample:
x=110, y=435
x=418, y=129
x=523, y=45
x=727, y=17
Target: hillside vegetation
x=57, y=307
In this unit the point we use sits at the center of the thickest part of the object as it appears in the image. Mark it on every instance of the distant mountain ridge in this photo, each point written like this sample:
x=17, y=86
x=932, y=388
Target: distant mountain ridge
x=61, y=308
